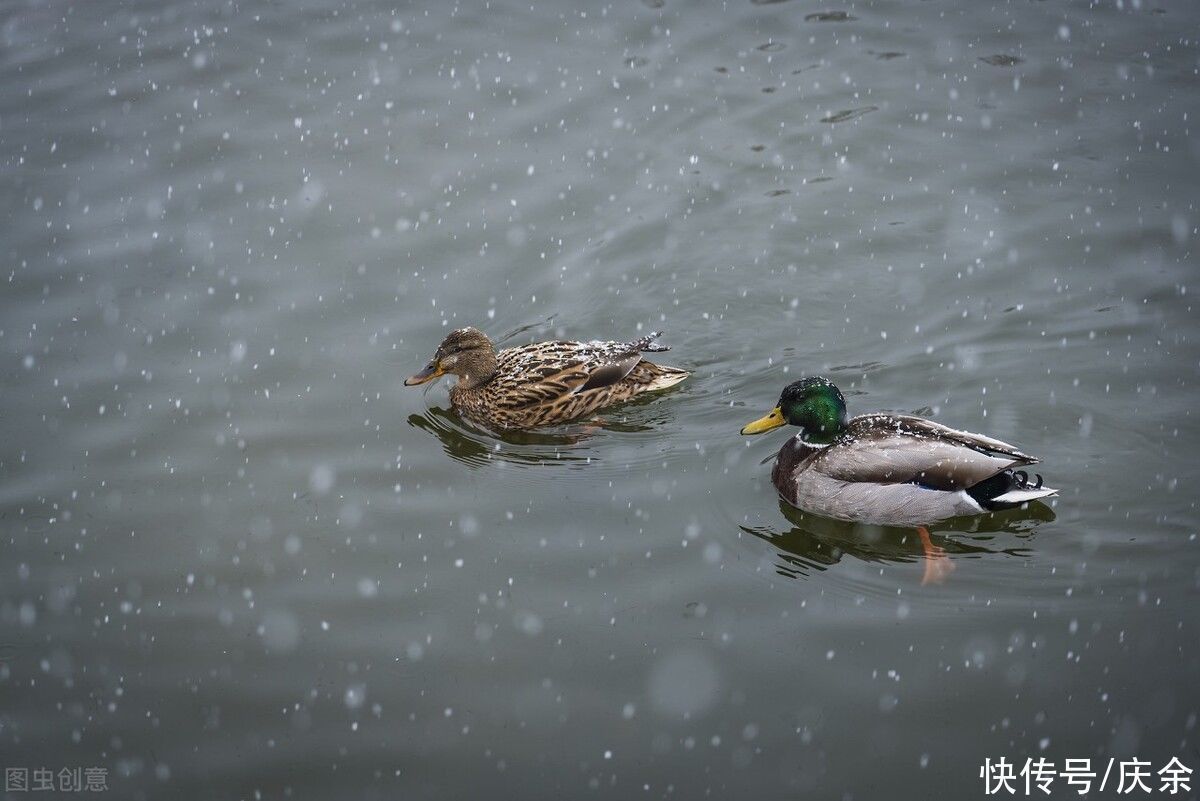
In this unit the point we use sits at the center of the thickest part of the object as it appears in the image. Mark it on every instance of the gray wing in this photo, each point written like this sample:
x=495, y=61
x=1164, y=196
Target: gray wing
x=921, y=427
x=897, y=449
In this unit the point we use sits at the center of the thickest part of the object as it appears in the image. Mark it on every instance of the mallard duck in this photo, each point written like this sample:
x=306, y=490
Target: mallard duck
x=889, y=469
x=544, y=383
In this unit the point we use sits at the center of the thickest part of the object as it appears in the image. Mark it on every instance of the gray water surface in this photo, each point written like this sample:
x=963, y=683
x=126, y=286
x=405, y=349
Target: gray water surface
x=238, y=559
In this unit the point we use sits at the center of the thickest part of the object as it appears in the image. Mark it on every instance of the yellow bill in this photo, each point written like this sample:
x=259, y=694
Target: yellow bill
x=774, y=419
x=432, y=370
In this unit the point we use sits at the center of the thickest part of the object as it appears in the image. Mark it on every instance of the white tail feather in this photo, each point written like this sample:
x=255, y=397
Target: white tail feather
x=667, y=380
x=1024, y=495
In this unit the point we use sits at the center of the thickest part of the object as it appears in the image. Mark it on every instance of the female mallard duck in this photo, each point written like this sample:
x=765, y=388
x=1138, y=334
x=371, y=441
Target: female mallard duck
x=889, y=469
x=545, y=383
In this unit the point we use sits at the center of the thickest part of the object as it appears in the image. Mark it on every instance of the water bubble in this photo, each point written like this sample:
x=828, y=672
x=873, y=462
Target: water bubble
x=1126, y=739
x=529, y=623
x=280, y=631
x=310, y=194
x=261, y=528
x=683, y=684
x=351, y=514
x=1086, y=421
x=321, y=479
x=356, y=696
x=968, y=357
x=979, y=652
x=1180, y=229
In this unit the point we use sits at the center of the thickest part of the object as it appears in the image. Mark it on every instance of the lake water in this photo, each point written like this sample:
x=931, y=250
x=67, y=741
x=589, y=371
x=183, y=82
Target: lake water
x=241, y=560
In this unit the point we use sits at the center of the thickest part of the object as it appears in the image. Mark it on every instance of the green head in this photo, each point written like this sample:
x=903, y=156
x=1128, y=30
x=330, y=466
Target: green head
x=813, y=404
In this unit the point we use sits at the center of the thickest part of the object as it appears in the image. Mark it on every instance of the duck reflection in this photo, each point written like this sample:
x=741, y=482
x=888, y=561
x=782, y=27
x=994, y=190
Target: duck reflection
x=817, y=543
x=474, y=446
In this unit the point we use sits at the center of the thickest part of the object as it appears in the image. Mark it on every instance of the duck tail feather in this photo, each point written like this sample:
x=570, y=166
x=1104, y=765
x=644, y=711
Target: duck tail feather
x=1010, y=488
x=647, y=344
x=1019, y=496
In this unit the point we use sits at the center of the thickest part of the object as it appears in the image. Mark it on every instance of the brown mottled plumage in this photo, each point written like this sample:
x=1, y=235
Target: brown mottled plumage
x=544, y=383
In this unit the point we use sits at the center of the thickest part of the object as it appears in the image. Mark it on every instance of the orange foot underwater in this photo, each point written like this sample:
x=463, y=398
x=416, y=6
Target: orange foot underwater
x=937, y=565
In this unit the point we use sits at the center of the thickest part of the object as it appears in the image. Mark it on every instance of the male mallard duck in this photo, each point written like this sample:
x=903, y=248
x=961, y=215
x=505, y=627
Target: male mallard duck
x=544, y=383
x=889, y=469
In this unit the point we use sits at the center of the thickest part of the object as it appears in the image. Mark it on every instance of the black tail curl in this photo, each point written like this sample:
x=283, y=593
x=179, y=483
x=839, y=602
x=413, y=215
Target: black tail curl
x=1021, y=480
x=986, y=491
